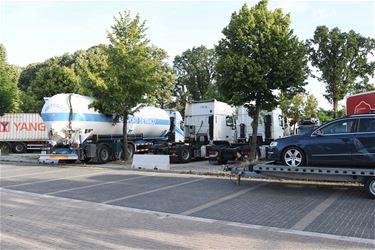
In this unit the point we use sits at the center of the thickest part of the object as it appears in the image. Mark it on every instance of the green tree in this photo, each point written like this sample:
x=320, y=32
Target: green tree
x=9, y=93
x=343, y=61
x=50, y=81
x=136, y=71
x=195, y=72
x=293, y=108
x=311, y=106
x=92, y=67
x=327, y=115
x=257, y=56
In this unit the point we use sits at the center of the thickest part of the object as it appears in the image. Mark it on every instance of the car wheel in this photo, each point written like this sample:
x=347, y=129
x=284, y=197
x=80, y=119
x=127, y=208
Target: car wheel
x=19, y=148
x=293, y=157
x=370, y=187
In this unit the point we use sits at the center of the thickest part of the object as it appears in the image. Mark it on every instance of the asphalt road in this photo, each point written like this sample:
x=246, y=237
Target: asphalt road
x=92, y=207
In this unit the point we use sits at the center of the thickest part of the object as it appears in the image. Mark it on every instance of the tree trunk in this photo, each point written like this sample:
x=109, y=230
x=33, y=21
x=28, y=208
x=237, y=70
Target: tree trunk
x=335, y=108
x=254, y=137
x=125, y=137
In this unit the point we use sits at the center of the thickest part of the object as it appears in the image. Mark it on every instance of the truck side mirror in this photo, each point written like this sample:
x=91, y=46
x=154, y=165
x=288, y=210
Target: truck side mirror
x=229, y=121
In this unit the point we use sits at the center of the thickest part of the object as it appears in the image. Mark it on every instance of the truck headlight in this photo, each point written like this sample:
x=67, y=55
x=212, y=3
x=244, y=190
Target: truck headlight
x=273, y=144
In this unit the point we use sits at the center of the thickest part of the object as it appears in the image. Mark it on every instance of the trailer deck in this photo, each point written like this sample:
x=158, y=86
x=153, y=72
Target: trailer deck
x=365, y=176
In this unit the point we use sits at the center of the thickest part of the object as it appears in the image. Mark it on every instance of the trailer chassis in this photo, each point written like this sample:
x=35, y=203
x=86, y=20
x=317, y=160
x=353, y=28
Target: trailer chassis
x=366, y=176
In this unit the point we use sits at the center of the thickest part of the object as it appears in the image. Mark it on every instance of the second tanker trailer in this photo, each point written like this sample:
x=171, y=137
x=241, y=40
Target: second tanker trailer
x=88, y=135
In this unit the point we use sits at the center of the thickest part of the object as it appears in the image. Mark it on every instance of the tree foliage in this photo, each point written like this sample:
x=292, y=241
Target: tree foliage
x=137, y=71
x=50, y=81
x=327, y=115
x=343, y=61
x=298, y=107
x=311, y=106
x=257, y=56
x=195, y=72
x=61, y=74
x=9, y=93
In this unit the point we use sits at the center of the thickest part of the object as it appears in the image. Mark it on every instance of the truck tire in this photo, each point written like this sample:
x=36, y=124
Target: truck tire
x=184, y=155
x=293, y=157
x=370, y=187
x=103, y=153
x=131, y=150
x=19, y=147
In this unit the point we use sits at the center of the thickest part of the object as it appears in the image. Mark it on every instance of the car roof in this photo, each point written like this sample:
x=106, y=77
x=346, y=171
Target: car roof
x=360, y=115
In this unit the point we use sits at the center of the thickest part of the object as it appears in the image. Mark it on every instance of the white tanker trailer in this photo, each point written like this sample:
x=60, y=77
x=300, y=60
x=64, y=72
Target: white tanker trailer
x=89, y=135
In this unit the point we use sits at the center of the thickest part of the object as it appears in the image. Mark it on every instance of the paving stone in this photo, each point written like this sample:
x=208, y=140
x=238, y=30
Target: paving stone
x=185, y=197
x=351, y=215
x=274, y=205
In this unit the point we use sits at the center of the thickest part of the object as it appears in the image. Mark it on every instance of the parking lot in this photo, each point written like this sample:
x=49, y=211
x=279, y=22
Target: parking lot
x=343, y=212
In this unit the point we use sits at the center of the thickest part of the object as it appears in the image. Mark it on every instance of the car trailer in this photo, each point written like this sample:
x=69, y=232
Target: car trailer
x=366, y=176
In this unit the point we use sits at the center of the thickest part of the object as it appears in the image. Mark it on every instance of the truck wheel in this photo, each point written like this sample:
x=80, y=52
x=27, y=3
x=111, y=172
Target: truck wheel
x=370, y=187
x=104, y=153
x=19, y=148
x=293, y=157
x=131, y=150
x=184, y=155
x=4, y=148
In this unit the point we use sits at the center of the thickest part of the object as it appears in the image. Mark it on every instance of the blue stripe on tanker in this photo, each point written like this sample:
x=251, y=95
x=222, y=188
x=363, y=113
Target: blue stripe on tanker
x=179, y=131
x=51, y=117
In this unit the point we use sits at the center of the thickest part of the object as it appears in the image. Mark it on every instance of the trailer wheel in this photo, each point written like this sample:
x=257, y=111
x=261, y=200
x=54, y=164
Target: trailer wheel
x=370, y=187
x=293, y=157
x=19, y=147
x=4, y=148
x=184, y=155
x=104, y=153
x=131, y=150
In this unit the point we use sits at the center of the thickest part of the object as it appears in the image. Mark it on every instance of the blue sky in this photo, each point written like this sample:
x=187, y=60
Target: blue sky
x=33, y=31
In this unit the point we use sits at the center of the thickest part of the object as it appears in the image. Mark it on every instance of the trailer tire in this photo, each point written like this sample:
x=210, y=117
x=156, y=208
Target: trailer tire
x=131, y=150
x=293, y=157
x=19, y=147
x=370, y=187
x=103, y=153
x=184, y=155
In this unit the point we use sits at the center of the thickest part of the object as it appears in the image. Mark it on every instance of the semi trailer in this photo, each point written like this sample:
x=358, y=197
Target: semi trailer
x=205, y=123
x=220, y=132
x=78, y=132
x=20, y=132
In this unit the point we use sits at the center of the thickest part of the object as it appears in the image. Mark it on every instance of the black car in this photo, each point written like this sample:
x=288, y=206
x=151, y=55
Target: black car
x=347, y=141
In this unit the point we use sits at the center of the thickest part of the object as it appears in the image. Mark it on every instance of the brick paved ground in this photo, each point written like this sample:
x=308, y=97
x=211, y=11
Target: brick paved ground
x=37, y=221
x=93, y=207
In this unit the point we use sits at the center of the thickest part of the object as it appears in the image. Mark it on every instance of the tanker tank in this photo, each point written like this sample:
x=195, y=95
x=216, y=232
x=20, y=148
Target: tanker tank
x=69, y=118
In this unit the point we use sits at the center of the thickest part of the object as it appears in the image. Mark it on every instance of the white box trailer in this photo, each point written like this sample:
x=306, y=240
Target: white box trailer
x=22, y=131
